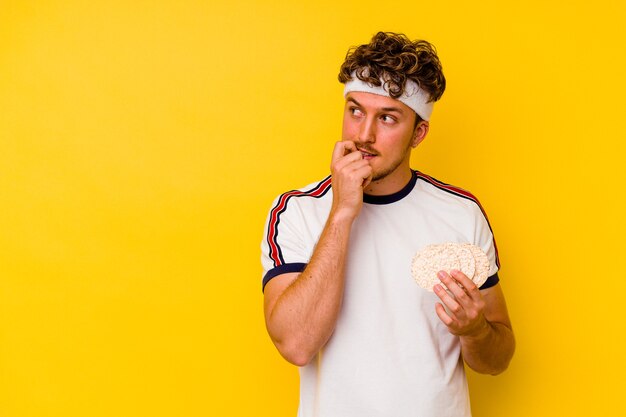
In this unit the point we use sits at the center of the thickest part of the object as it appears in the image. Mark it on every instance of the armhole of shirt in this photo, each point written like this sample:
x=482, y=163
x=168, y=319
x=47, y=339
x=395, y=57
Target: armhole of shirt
x=282, y=269
x=491, y=281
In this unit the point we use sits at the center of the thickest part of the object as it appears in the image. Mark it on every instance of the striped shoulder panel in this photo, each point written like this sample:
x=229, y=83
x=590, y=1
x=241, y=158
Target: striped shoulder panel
x=459, y=192
x=317, y=191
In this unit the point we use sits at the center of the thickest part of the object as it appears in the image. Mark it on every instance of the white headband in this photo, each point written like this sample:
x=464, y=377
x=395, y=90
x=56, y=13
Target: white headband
x=413, y=96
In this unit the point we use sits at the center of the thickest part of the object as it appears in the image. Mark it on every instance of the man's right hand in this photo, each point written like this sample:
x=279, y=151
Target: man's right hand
x=350, y=175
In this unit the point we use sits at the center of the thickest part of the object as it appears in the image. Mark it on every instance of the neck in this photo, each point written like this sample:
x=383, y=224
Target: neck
x=390, y=184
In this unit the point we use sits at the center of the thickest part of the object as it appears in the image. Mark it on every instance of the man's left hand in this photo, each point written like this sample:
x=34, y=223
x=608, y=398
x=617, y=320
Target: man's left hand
x=464, y=303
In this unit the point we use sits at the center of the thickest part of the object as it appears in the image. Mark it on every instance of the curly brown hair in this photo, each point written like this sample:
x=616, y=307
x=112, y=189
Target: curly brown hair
x=396, y=59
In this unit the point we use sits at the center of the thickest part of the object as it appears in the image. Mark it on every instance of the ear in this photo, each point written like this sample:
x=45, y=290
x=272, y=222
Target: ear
x=420, y=132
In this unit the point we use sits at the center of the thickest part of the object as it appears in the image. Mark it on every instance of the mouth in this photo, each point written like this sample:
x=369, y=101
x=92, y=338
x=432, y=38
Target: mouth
x=367, y=155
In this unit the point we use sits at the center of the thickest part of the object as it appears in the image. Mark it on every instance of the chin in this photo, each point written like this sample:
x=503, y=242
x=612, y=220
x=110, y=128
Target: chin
x=377, y=176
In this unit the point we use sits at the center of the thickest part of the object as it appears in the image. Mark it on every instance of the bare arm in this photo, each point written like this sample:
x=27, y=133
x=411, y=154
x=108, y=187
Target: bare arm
x=301, y=309
x=480, y=319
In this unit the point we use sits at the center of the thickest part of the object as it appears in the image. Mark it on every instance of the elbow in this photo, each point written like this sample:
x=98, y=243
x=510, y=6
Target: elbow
x=496, y=367
x=492, y=369
x=498, y=370
x=498, y=360
x=298, y=360
x=505, y=363
x=295, y=353
x=506, y=359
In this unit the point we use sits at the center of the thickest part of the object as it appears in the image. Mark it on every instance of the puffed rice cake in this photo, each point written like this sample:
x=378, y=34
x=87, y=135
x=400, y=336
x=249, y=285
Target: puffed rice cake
x=465, y=257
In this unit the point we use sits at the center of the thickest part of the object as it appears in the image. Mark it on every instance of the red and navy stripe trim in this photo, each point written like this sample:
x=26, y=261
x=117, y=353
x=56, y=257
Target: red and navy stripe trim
x=317, y=191
x=459, y=192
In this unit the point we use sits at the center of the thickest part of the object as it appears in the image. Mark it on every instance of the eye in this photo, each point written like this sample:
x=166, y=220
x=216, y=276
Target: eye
x=355, y=111
x=388, y=119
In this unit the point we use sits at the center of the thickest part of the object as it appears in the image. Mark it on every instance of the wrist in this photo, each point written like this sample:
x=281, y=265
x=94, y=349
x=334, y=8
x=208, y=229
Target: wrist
x=342, y=216
x=481, y=332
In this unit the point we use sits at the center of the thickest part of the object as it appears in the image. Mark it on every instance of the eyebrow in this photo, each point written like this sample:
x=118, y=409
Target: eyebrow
x=386, y=109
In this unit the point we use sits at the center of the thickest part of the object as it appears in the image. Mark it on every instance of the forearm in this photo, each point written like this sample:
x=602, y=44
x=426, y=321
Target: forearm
x=304, y=315
x=491, y=350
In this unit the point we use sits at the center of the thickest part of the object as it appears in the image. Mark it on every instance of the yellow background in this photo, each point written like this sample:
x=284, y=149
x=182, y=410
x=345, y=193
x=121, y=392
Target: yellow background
x=142, y=142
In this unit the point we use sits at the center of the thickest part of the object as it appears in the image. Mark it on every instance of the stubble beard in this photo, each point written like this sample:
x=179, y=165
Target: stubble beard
x=378, y=176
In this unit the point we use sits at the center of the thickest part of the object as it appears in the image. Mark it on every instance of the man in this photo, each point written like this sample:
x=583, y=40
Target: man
x=340, y=302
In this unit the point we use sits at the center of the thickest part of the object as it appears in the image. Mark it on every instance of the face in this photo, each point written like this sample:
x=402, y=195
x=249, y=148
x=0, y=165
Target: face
x=384, y=131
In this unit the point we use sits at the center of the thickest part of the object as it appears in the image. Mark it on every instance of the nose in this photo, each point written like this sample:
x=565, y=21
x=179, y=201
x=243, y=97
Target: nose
x=367, y=130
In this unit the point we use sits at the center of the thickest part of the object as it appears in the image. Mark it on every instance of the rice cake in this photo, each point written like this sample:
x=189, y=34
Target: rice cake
x=465, y=257
x=432, y=259
x=482, y=264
